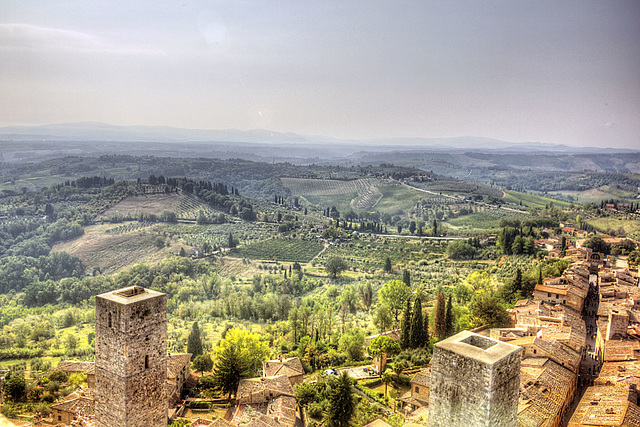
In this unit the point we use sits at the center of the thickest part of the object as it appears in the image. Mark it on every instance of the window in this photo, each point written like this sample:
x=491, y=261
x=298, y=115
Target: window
x=146, y=362
x=535, y=351
x=417, y=389
x=59, y=417
x=548, y=294
x=557, y=296
x=109, y=319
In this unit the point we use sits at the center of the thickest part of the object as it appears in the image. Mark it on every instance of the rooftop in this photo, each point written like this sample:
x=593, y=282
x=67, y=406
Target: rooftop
x=478, y=347
x=130, y=295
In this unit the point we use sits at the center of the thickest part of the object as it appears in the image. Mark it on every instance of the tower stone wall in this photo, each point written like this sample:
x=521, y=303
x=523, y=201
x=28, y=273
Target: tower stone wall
x=131, y=358
x=475, y=381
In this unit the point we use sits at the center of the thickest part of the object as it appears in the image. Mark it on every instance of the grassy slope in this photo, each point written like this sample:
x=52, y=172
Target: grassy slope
x=532, y=201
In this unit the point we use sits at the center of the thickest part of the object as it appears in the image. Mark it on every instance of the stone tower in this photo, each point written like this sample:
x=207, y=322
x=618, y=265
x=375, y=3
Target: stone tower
x=131, y=358
x=475, y=381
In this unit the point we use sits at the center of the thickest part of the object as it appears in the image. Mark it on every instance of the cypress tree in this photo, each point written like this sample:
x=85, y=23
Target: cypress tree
x=405, y=334
x=406, y=278
x=417, y=338
x=387, y=265
x=449, y=316
x=194, y=343
x=440, y=324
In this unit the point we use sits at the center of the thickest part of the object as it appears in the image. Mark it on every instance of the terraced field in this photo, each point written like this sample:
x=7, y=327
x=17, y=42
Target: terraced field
x=364, y=191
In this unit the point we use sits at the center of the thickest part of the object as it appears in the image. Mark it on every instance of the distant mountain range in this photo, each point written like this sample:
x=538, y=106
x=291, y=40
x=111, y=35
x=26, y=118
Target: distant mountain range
x=94, y=131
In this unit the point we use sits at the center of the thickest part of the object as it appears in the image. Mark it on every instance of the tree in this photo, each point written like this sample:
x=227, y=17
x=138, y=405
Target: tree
x=387, y=377
x=382, y=317
x=231, y=241
x=229, y=369
x=633, y=260
x=247, y=347
x=71, y=342
x=487, y=310
x=366, y=294
x=449, y=316
x=335, y=265
x=406, y=278
x=306, y=393
x=417, y=337
x=15, y=388
x=440, y=322
x=203, y=363
x=598, y=245
x=395, y=293
x=194, y=342
x=387, y=265
x=383, y=345
x=341, y=404
x=405, y=332
x=351, y=343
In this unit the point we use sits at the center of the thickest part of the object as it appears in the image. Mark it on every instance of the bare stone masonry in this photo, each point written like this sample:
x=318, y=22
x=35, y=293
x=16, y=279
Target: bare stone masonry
x=131, y=358
x=475, y=381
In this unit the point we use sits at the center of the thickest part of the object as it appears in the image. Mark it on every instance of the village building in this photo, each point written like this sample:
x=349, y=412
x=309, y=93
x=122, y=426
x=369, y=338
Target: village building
x=607, y=406
x=290, y=367
x=73, y=408
x=265, y=402
x=418, y=395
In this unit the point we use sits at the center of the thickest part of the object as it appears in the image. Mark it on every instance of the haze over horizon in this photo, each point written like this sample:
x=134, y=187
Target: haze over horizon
x=554, y=72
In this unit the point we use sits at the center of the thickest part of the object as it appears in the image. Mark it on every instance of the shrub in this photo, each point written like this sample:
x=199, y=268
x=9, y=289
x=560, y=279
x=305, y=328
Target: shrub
x=59, y=376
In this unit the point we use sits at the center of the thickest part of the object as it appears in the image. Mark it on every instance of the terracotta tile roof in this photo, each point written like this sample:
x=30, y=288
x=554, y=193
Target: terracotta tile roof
x=175, y=363
x=81, y=402
x=619, y=374
x=283, y=410
x=560, y=290
x=422, y=377
x=290, y=367
x=605, y=406
x=70, y=366
x=543, y=392
x=378, y=423
x=619, y=350
x=560, y=352
x=216, y=423
x=279, y=385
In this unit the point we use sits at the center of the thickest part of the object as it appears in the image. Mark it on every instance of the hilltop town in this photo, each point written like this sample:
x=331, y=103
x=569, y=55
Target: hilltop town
x=570, y=357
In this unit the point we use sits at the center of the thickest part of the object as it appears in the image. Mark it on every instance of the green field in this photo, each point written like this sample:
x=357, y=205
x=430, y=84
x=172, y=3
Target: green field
x=286, y=250
x=479, y=220
x=532, y=200
x=631, y=226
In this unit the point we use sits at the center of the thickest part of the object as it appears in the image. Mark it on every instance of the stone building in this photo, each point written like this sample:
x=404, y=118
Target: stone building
x=131, y=358
x=290, y=367
x=475, y=381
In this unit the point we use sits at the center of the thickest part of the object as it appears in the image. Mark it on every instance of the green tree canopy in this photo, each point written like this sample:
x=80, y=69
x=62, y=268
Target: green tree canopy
x=203, y=363
x=395, y=293
x=335, y=265
x=194, y=342
x=383, y=345
x=247, y=346
x=418, y=337
x=341, y=403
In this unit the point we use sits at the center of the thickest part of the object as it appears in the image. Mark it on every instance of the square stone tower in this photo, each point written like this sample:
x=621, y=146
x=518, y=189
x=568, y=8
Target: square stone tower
x=475, y=381
x=131, y=358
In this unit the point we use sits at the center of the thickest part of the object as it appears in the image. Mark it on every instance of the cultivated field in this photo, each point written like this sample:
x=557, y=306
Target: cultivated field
x=114, y=252
x=185, y=207
x=364, y=191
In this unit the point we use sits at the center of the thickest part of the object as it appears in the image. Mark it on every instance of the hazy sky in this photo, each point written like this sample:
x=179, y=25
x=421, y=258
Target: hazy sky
x=559, y=71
